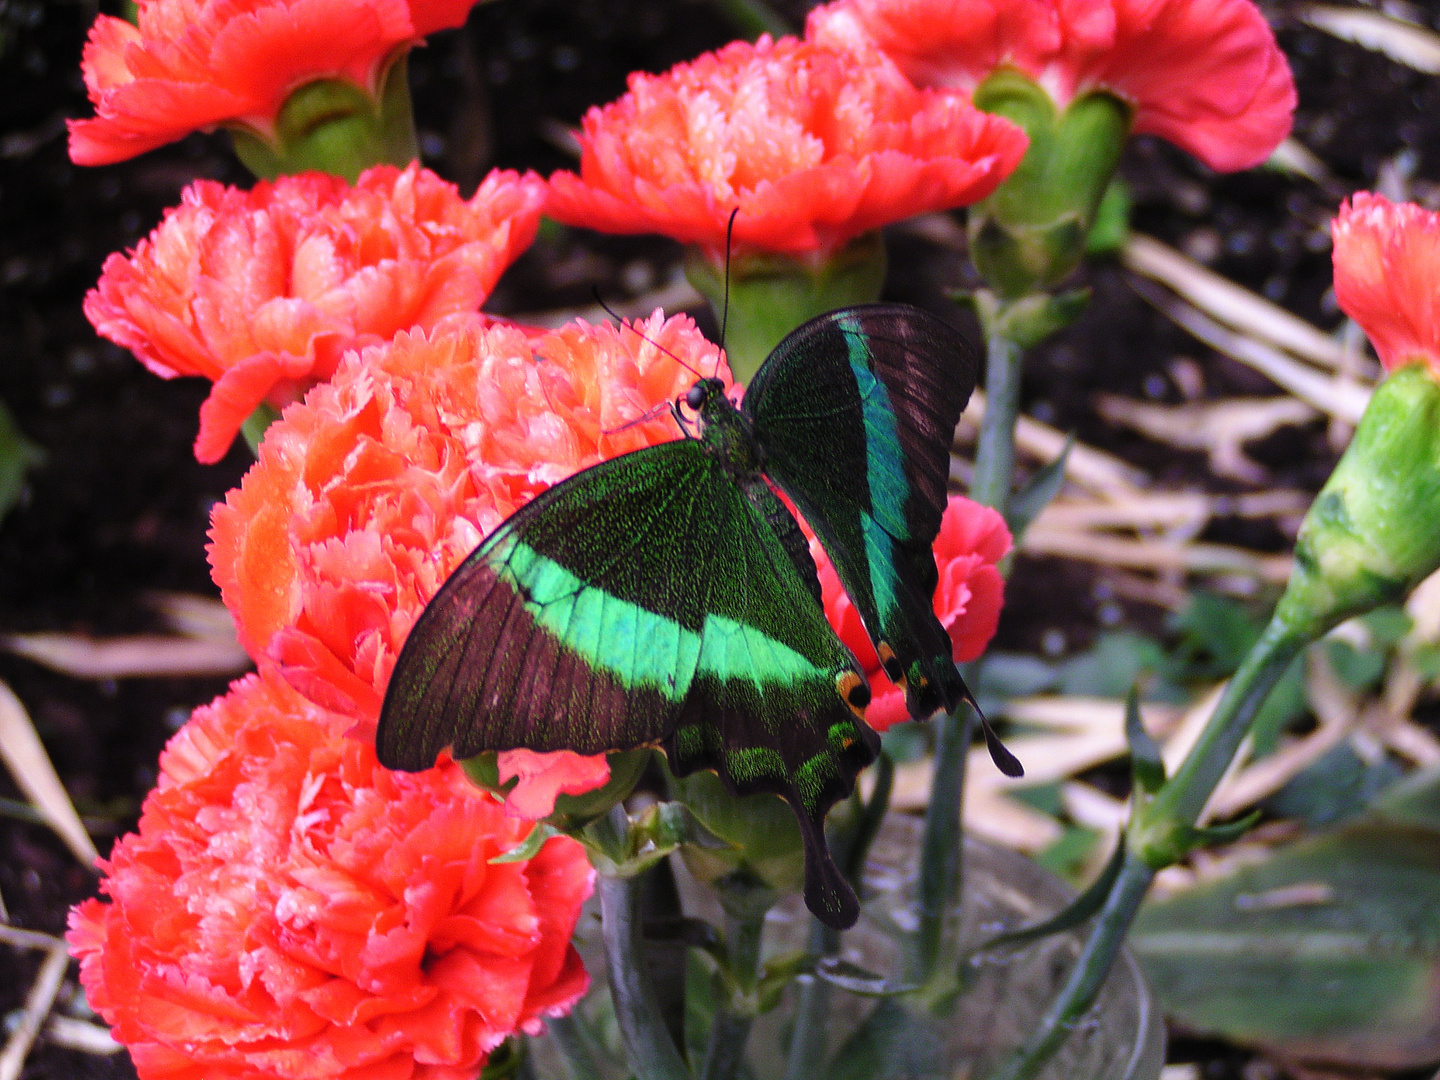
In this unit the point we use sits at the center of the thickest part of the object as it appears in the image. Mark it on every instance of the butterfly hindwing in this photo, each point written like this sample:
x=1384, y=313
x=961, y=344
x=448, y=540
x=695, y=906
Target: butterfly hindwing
x=648, y=600
x=856, y=411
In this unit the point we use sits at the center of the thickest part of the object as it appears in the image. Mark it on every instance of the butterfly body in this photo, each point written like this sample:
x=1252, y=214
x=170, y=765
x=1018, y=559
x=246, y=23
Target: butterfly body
x=667, y=597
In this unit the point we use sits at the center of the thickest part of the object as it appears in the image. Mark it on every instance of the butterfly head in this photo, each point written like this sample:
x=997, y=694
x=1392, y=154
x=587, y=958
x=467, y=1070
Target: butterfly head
x=703, y=394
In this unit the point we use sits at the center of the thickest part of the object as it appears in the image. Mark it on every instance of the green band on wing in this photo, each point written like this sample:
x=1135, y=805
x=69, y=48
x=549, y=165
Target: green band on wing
x=638, y=646
x=733, y=650
x=880, y=557
x=884, y=460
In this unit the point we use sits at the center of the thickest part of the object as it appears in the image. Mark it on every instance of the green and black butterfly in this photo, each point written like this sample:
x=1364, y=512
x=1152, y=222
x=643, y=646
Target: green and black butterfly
x=668, y=597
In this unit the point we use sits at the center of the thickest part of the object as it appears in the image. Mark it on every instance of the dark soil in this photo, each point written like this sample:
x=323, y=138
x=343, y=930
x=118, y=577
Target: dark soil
x=120, y=507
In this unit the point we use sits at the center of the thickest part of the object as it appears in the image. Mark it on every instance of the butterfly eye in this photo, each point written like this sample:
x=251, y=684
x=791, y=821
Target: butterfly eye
x=697, y=394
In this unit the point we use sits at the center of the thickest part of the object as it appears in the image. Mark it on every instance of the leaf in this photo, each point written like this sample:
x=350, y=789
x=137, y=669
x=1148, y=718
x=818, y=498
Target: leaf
x=858, y=980
x=1026, y=504
x=1330, y=949
x=18, y=455
x=528, y=848
x=1073, y=914
x=1146, y=763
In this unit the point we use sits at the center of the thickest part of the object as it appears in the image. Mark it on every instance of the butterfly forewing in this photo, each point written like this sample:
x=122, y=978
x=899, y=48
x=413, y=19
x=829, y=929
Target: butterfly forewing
x=649, y=600
x=856, y=411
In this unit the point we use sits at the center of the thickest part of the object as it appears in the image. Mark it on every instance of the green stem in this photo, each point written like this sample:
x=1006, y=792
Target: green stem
x=1161, y=832
x=745, y=901
x=648, y=1044
x=584, y=1057
x=810, y=1036
x=1087, y=976
x=940, y=848
x=995, y=450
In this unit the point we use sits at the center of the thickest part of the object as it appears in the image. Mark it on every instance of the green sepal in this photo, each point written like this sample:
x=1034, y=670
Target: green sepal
x=777, y=974
x=1147, y=766
x=771, y=295
x=505, y=1061
x=1166, y=843
x=1027, y=503
x=1073, y=914
x=654, y=833
x=752, y=834
x=1028, y=320
x=1373, y=532
x=859, y=981
x=483, y=770
x=336, y=127
x=574, y=812
x=528, y=848
x=256, y=424
x=1111, y=229
x=1033, y=230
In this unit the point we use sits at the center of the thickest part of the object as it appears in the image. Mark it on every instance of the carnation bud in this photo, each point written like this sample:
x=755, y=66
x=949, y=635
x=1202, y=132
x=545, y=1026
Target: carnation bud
x=337, y=127
x=761, y=838
x=1031, y=232
x=770, y=295
x=1373, y=532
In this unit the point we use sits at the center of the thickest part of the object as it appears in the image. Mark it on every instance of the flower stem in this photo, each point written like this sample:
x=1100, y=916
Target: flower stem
x=648, y=1044
x=940, y=847
x=745, y=905
x=810, y=1037
x=584, y=1057
x=1087, y=976
x=995, y=450
x=1161, y=832
x=940, y=869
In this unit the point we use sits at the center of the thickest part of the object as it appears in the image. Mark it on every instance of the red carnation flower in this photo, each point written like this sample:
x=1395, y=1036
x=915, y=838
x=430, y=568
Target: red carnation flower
x=290, y=910
x=193, y=64
x=1205, y=74
x=1387, y=276
x=972, y=541
x=263, y=291
x=814, y=146
x=372, y=490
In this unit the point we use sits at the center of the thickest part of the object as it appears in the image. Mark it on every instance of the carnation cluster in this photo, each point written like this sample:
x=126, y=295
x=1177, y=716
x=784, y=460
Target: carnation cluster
x=289, y=908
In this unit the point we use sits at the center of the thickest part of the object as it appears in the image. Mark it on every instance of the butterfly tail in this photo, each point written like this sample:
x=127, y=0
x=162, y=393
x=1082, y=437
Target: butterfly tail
x=827, y=894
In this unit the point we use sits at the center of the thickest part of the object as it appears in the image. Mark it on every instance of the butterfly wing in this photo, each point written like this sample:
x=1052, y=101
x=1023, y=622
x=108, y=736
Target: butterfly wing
x=644, y=601
x=856, y=411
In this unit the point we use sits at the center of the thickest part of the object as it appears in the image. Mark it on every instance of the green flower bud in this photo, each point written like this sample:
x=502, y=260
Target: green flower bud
x=770, y=295
x=759, y=832
x=1032, y=231
x=1373, y=532
x=336, y=127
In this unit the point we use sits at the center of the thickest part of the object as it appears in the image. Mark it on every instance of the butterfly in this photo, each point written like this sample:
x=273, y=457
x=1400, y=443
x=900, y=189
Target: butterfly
x=668, y=597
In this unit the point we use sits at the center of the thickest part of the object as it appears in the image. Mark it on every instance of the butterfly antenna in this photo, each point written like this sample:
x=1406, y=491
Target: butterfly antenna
x=630, y=325
x=725, y=307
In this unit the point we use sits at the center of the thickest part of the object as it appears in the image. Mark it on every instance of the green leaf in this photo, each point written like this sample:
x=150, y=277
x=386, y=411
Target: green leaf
x=1337, y=787
x=1073, y=914
x=528, y=848
x=1414, y=800
x=1026, y=504
x=857, y=980
x=1146, y=764
x=1330, y=949
x=18, y=455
